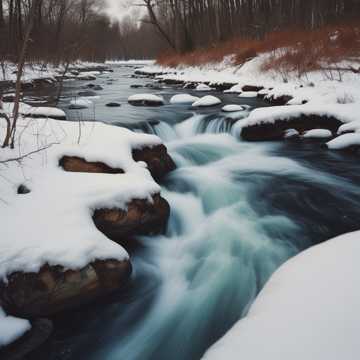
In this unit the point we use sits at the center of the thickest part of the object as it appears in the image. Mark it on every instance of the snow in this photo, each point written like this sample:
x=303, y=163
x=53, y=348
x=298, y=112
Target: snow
x=344, y=141
x=208, y=100
x=291, y=133
x=62, y=232
x=232, y=108
x=89, y=75
x=81, y=102
x=203, y=87
x=146, y=97
x=49, y=112
x=317, y=134
x=183, y=99
x=11, y=328
x=248, y=94
x=353, y=126
x=307, y=310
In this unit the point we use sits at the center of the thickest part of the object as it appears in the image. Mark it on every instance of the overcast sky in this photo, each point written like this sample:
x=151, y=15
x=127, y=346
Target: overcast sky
x=118, y=9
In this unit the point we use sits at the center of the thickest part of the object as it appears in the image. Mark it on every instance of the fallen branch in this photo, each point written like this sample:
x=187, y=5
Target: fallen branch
x=22, y=157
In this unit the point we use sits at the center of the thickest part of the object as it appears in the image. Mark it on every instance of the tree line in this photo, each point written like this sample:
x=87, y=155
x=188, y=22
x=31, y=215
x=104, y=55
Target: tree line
x=189, y=24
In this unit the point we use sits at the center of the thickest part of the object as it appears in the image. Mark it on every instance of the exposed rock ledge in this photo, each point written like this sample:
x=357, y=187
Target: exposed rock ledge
x=157, y=159
x=54, y=289
x=276, y=130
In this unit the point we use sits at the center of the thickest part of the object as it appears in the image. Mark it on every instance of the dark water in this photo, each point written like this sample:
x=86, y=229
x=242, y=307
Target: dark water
x=239, y=210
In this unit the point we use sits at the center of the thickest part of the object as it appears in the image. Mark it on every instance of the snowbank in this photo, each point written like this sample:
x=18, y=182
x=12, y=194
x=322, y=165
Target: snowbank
x=344, y=142
x=11, y=328
x=62, y=232
x=50, y=112
x=353, y=126
x=308, y=309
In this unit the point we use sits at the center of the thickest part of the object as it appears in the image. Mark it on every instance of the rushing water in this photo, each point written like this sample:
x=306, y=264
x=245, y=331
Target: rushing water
x=238, y=211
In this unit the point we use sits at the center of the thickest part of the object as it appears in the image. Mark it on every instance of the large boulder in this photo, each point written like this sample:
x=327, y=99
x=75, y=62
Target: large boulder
x=141, y=217
x=157, y=159
x=277, y=129
x=54, y=289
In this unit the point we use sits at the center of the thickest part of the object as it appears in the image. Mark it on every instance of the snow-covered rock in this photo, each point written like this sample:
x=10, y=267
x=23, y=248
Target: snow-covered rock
x=309, y=309
x=353, y=126
x=46, y=112
x=232, y=108
x=146, y=100
x=248, y=94
x=11, y=328
x=183, y=99
x=205, y=101
x=203, y=87
x=317, y=134
x=291, y=133
x=345, y=141
x=88, y=76
x=80, y=103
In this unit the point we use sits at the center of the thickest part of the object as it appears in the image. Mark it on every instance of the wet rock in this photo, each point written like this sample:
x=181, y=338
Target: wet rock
x=146, y=100
x=98, y=88
x=279, y=100
x=54, y=289
x=90, y=86
x=77, y=164
x=41, y=330
x=136, y=86
x=277, y=130
x=140, y=218
x=23, y=189
x=252, y=88
x=157, y=159
x=113, y=104
x=88, y=93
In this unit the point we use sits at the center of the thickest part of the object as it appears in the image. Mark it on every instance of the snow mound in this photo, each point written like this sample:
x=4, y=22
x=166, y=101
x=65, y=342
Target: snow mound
x=317, y=134
x=63, y=232
x=80, y=103
x=149, y=98
x=183, y=99
x=232, y=108
x=248, y=94
x=11, y=328
x=203, y=87
x=46, y=112
x=307, y=310
x=208, y=100
x=353, y=126
x=344, y=141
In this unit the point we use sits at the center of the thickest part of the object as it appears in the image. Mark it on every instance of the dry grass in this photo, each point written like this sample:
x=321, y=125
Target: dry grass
x=296, y=51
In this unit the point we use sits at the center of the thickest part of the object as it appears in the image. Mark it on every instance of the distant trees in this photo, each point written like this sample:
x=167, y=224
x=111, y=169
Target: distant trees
x=188, y=24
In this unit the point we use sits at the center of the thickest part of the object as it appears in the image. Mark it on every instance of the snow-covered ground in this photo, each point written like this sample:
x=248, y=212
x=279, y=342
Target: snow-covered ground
x=307, y=310
x=53, y=223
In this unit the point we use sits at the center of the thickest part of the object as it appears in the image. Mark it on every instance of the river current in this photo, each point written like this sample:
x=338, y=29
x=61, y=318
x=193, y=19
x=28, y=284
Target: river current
x=238, y=211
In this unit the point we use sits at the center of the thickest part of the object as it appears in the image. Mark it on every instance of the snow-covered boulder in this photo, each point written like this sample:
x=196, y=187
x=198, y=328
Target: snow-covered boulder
x=232, y=108
x=80, y=103
x=248, y=94
x=345, y=142
x=205, y=101
x=46, y=112
x=88, y=76
x=183, y=99
x=203, y=87
x=146, y=100
x=317, y=134
x=309, y=309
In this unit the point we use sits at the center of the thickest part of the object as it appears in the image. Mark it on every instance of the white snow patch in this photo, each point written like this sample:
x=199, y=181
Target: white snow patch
x=146, y=97
x=317, y=134
x=248, y=94
x=203, y=87
x=11, y=328
x=49, y=112
x=81, y=102
x=344, y=141
x=307, y=310
x=232, y=108
x=208, y=100
x=353, y=126
x=183, y=99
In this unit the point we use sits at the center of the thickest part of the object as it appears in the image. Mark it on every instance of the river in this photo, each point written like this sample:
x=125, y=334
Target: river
x=238, y=211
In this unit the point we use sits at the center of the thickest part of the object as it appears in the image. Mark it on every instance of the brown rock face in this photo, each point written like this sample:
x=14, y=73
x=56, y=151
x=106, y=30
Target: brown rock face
x=157, y=159
x=76, y=164
x=52, y=289
x=276, y=130
x=140, y=218
x=252, y=88
x=279, y=101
